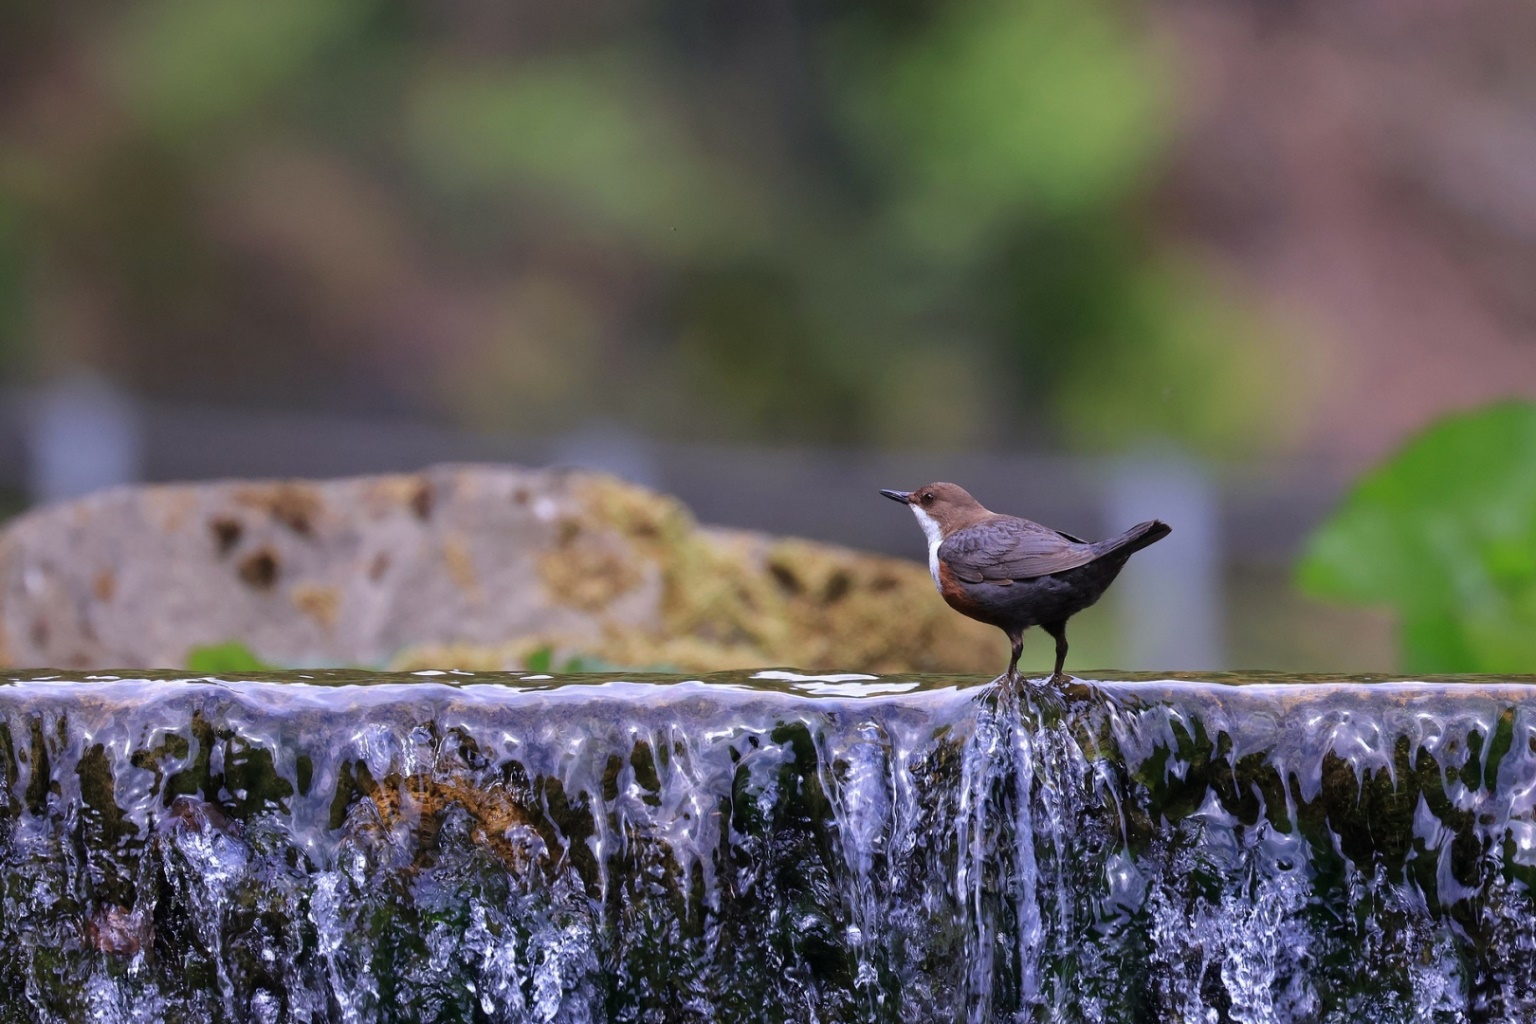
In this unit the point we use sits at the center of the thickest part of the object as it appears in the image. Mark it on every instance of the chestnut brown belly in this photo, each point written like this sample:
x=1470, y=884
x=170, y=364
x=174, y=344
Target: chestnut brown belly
x=1029, y=602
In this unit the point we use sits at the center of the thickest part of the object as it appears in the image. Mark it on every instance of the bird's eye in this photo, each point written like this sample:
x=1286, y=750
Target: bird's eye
x=927, y=498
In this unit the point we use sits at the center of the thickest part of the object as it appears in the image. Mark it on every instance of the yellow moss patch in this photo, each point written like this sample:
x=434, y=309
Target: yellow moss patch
x=461, y=567
x=104, y=587
x=588, y=568
x=319, y=602
x=732, y=600
x=295, y=505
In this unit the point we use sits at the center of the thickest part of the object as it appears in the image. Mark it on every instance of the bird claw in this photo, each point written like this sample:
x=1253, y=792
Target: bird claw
x=1035, y=698
x=1010, y=688
x=1018, y=683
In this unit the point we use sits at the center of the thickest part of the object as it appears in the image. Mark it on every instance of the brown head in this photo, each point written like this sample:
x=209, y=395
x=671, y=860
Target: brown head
x=941, y=508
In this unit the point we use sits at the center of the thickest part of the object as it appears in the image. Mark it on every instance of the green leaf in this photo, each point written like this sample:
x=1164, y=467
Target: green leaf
x=1445, y=533
x=231, y=656
x=588, y=663
x=540, y=661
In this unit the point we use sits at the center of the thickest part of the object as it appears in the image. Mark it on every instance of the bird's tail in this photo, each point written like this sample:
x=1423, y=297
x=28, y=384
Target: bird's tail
x=1137, y=537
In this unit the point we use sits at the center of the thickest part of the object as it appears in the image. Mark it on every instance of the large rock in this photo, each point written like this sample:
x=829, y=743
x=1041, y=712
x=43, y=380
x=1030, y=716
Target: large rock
x=456, y=566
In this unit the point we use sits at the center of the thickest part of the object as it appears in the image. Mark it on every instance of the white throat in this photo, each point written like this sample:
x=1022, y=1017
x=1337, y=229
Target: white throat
x=935, y=537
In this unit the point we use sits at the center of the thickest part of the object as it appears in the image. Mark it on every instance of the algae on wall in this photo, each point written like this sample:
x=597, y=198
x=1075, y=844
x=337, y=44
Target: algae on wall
x=778, y=847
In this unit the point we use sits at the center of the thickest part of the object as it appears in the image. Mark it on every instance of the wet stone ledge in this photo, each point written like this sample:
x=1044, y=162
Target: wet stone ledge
x=780, y=847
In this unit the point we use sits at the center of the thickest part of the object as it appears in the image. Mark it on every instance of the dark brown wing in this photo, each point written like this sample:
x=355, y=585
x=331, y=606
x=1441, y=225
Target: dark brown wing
x=1004, y=549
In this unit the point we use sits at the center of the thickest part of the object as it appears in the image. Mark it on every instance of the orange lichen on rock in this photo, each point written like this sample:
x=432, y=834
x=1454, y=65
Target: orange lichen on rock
x=319, y=602
x=589, y=568
x=295, y=504
x=420, y=800
x=461, y=564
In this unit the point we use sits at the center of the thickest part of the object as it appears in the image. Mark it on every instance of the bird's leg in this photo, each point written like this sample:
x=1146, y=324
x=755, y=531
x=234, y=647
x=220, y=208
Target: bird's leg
x=1059, y=631
x=1016, y=638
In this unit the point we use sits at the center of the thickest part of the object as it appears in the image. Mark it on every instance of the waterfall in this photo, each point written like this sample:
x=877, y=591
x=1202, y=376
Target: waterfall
x=330, y=846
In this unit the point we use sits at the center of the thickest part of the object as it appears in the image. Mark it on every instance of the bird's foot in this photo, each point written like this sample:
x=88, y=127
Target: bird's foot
x=1039, y=699
x=1030, y=696
x=1008, y=688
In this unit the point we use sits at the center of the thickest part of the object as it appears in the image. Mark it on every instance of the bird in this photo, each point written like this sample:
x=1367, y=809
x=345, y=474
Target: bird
x=1013, y=573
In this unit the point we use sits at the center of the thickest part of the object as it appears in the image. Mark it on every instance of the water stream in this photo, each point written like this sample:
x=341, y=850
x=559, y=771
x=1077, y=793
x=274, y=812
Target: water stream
x=454, y=847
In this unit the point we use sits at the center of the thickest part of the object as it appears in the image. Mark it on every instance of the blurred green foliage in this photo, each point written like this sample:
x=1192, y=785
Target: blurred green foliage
x=190, y=66
x=235, y=656
x=542, y=662
x=763, y=224
x=230, y=656
x=1445, y=533
x=591, y=134
x=995, y=113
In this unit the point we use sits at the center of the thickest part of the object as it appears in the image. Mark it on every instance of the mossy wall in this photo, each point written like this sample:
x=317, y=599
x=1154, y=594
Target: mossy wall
x=330, y=846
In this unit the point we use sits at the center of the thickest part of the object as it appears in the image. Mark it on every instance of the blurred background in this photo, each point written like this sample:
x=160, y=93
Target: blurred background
x=1096, y=261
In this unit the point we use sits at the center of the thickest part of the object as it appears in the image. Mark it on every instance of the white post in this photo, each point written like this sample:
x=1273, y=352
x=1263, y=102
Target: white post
x=1169, y=597
x=82, y=434
x=608, y=448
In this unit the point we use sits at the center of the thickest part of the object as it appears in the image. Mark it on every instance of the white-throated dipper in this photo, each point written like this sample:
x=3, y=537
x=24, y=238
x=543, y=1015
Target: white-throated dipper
x=1012, y=573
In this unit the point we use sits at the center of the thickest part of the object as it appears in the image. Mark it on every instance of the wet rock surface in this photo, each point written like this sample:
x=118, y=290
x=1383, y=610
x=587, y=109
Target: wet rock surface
x=454, y=847
x=468, y=566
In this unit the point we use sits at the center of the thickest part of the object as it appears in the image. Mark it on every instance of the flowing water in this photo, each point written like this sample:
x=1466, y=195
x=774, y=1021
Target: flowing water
x=455, y=847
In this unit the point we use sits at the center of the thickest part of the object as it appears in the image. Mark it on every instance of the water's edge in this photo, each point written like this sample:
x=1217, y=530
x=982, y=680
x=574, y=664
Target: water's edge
x=358, y=847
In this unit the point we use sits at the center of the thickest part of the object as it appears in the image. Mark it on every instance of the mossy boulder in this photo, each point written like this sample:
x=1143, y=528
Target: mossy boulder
x=456, y=566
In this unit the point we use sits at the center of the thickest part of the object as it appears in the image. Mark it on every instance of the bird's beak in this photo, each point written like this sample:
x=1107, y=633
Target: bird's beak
x=902, y=496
